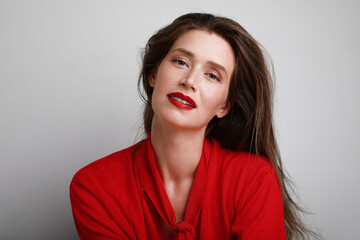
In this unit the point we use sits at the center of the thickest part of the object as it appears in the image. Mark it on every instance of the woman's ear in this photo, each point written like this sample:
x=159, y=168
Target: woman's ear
x=224, y=109
x=152, y=80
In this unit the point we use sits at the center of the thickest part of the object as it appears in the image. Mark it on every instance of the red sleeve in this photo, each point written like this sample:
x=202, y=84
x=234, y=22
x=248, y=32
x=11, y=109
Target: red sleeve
x=91, y=217
x=261, y=216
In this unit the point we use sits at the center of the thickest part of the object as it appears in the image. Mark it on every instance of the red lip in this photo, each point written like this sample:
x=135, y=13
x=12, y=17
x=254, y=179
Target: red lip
x=183, y=97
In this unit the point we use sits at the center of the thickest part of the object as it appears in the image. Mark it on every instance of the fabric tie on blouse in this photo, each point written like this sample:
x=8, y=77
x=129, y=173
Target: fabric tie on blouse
x=184, y=231
x=154, y=192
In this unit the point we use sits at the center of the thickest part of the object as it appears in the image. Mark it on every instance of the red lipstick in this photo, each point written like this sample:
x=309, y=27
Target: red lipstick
x=181, y=101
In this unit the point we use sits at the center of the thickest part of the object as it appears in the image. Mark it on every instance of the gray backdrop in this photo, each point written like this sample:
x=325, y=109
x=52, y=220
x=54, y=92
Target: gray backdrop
x=68, y=72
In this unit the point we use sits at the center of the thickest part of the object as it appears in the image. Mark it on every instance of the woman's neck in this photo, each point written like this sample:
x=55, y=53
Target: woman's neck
x=178, y=152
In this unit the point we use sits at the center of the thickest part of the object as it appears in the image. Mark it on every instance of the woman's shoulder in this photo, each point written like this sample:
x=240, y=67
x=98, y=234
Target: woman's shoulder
x=246, y=178
x=115, y=164
x=240, y=161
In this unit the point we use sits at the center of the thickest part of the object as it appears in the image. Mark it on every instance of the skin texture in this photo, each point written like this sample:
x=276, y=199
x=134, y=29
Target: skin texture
x=199, y=65
x=195, y=77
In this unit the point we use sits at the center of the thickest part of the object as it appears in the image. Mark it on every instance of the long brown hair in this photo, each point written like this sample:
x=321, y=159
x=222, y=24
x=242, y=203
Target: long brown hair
x=249, y=124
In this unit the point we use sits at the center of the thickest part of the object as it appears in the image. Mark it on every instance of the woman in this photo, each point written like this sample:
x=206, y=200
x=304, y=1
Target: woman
x=209, y=167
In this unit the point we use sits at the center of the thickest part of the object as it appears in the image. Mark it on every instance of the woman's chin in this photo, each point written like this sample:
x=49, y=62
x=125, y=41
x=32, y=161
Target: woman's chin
x=180, y=124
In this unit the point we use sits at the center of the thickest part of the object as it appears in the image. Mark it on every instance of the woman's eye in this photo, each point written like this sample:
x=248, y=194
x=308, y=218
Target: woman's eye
x=180, y=62
x=213, y=76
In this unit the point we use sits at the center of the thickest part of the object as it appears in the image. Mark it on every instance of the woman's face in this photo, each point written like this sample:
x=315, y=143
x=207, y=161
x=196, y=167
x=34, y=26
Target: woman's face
x=191, y=84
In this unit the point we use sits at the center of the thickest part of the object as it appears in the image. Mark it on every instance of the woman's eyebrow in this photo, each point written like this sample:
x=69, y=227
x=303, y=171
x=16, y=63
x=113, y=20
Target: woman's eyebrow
x=218, y=66
x=187, y=52
x=211, y=63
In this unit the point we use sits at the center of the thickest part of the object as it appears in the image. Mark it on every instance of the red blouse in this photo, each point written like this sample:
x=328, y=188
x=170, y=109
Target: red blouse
x=234, y=195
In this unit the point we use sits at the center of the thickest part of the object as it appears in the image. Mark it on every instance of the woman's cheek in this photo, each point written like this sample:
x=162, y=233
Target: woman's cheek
x=216, y=99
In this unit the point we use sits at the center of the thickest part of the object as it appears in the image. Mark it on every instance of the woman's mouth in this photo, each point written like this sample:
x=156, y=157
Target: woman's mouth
x=182, y=101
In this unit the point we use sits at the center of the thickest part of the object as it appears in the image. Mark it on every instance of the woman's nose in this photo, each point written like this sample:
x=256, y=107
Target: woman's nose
x=191, y=80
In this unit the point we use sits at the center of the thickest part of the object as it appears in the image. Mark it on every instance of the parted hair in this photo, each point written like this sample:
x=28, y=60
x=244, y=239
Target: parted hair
x=248, y=126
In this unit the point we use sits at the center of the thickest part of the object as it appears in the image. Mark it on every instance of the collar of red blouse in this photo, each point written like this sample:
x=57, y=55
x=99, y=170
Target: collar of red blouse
x=153, y=190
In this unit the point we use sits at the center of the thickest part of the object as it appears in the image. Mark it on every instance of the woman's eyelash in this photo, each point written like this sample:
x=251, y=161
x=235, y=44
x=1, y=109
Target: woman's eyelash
x=180, y=62
x=213, y=76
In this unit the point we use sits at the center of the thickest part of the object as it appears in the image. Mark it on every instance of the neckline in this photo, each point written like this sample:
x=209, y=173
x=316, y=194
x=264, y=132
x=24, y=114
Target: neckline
x=153, y=189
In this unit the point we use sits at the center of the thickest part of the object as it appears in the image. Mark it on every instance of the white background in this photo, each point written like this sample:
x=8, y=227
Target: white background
x=68, y=75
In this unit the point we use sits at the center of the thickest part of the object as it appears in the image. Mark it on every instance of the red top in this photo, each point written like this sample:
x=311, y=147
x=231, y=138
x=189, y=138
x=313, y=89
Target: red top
x=234, y=195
